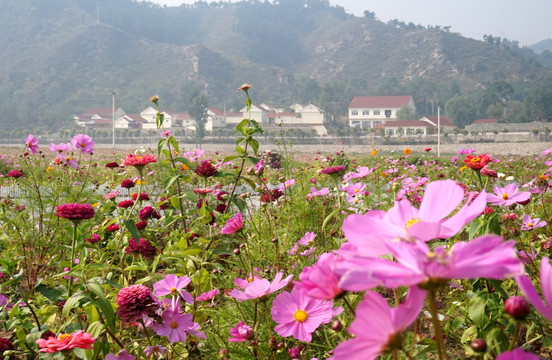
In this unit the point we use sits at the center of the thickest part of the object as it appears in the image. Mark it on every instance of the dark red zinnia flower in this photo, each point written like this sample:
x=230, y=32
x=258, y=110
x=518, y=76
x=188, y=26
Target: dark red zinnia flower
x=94, y=239
x=112, y=164
x=135, y=301
x=125, y=204
x=333, y=169
x=143, y=196
x=148, y=212
x=112, y=228
x=141, y=225
x=270, y=195
x=15, y=173
x=143, y=247
x=6, y=344
x=75, y=211
x=127, y=184
x=163, y=202
x=206, y=169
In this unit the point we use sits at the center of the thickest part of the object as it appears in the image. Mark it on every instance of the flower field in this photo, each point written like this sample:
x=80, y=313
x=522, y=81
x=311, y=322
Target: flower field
x=173, y=253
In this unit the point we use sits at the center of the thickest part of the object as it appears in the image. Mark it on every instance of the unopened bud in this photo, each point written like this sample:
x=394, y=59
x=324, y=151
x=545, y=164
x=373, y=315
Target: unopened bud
x=517, y=307
x=479, y=345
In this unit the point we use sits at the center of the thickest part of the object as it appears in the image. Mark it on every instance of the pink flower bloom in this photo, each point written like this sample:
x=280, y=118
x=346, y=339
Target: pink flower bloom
x=546, y=152
x=527, y=288
x=176, y=326
x=333, y=170
x=166, y=133
x=135, y=301
x=79, y=339
x=84, y=143
x=286, y=184
x=111, y=195
x=361, y=172
x=321, y=280
x=31, y=143
x=121, y=355
x=299, y=315
x=259, y=167
x=173, y=285
x=193, y=155
x=314, y=192
x=308, y=252
x=353, y=190
x=258, y=288
x=508, y=195
x=208, y=295
x=517, y=354
x=138, y=161
x=60, y=148
x=530, y=224
x=488, y=256
x=75, y=211
x=370, y=232
x=233, y=225
x=293, y=250
x=308, y=238
x=378, y=327
x=155, y=352
x=240, y=332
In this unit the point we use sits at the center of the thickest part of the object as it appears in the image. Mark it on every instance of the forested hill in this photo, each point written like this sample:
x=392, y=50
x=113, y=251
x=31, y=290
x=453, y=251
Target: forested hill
x=61, y=56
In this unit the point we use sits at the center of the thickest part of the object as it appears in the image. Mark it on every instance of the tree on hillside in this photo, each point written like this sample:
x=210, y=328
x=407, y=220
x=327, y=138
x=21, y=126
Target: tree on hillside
x=197, y=108
x=539, y=101
x=460, y=111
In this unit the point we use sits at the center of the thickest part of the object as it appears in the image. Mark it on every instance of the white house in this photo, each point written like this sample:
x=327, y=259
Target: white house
x=215, y=117
x=368, y=111
x=149, y=116
x=97, y=117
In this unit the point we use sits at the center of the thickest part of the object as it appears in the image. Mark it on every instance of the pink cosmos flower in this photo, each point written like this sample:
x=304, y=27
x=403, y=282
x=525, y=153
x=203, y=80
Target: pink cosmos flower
x=308, y=252
x=508, y=195
x=378, y=327
x=208, y=295
x=67, y=161
x=314, y=192
x=121, y=355
x=233, y=225
x=488, y=256
x=321, y=280
x=370, y=232
x=293, y=250
x=258, y=288
x=299, y=315
x=60, y=148
x=111, y=195
x=308, y=238
x=361, y=172
x=530, y=224
x=173, y=285
x=286, y=184
x=32, y=143
x=155, y=351
x=193, y=155
x=176, y=326
x=546, y=152
x=527, y=288
x=240, y=332
x=84, y=143
x=166, y=133
x=353, y=190
x=517, y=354
x=79, y=339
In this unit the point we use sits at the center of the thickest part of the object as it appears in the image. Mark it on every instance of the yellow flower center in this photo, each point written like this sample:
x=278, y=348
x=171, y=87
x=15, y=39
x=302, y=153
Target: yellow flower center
x=356, y=190
x=249, y=279
x=300, y=315
x=173, y=290
x=530, y=225
x=505, y=196
x=174, y=324
x=62, y=337
x=411, y=222
x=475, y=160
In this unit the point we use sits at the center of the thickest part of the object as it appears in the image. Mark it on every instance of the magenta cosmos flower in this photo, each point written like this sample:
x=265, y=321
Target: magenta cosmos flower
x=155, y=351
x=60, y=148
x=314, y=192
x=517, y=354
x=121, y=355
x=529, y=224
x=321, y=280
x=176, y=326
x=173, y=285
x=233, y=225
x=508, y=195
x=84, y=143
x=259, y=288
x=299, y=315
x=370, y=232
x=75, y=211
x=488, y=256
x=527, y=288
x=240, y=332
x=32, y=143
x=377, y=327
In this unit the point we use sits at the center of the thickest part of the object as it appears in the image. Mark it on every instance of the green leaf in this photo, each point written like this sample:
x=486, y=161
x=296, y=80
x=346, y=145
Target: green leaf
x=330, y=215
x=477, y=313
x=50, y=293
x=73, y=302
x=174, y=143
x=230, y=158
x=131, y=226
x=254, y=145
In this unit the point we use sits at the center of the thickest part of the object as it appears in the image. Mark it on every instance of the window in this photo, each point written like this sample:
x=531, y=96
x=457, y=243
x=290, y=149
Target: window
x=387, y=113
x=376, y=112
x=354, y=112
x=365, y=112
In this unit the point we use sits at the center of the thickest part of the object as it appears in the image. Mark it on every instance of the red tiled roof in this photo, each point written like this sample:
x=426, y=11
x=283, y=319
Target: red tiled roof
x=485, y=121
x=371, y=102
x=99, y=111
x=216, y=111
x=445, y=121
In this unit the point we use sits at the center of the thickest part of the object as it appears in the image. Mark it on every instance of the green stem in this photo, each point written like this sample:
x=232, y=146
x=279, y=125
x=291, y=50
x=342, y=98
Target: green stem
x=516, y=336
x=436, y=325
x=73, y=245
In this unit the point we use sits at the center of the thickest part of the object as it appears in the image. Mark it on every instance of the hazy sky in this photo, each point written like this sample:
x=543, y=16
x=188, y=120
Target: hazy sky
x=526, y=21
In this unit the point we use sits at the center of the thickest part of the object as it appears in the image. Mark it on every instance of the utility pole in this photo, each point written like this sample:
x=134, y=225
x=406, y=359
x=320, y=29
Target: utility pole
x=113, y=120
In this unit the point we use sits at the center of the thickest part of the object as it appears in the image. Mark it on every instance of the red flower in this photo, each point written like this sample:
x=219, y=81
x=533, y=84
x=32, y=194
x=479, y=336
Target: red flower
x=141, y=225
x=427, y=149
x=139, y=161
x=489, y=172
x=476, y=162
x=147, y=213
x=206, y=169
x=79, y=339
x=111, y=165
x=125, y=204
x=142, y=247
x=15, y=173
x=112, y=228
x=94, y=239
x=127, y=184
x=270, y=195
x=333, y=169
x=135, y=301
x=6, y=344
x=143, y=196
x=75, y=211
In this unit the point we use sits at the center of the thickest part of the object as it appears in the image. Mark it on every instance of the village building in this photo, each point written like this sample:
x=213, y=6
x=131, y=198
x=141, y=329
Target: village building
x=368, y=111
